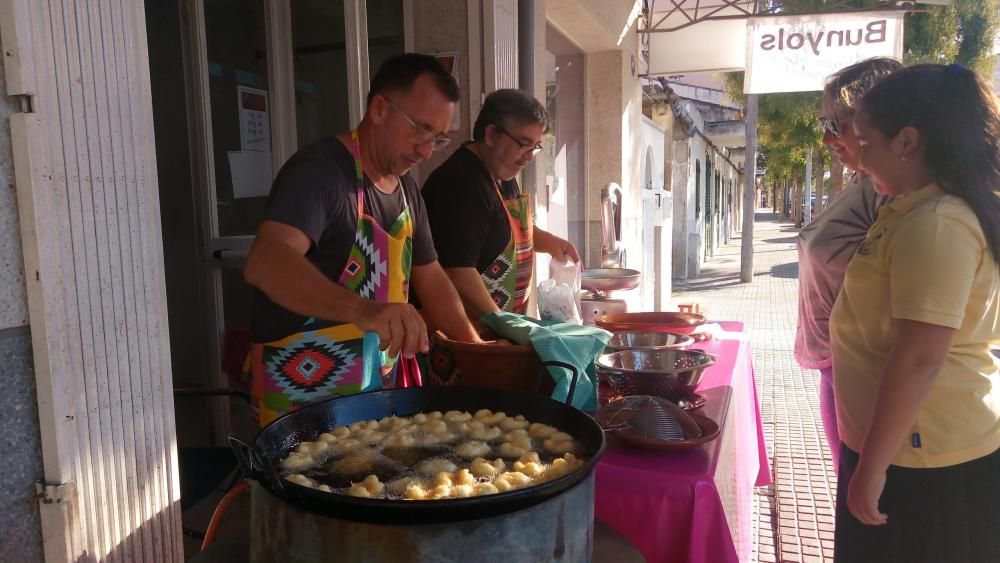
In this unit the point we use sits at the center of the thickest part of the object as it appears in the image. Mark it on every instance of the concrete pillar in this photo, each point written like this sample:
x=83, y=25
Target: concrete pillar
x=614, y=109
x=430, y=37
x=682, y=188
x=604, y=131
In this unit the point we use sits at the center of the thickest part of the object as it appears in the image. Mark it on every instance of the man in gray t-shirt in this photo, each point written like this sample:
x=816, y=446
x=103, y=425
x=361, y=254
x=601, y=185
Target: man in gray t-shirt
x=315, y=193
x=344, y=240
x=299, y=249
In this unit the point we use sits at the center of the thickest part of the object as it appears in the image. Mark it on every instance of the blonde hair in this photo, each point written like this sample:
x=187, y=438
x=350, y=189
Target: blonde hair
x=845, y=88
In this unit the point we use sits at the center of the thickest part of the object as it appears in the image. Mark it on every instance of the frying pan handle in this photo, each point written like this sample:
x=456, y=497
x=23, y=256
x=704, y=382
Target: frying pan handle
x=252, y=464
x=572, y=384
x=244, y=454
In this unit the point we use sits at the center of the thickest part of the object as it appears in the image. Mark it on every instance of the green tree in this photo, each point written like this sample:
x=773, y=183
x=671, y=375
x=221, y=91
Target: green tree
x=787, y=130
x=962, y=32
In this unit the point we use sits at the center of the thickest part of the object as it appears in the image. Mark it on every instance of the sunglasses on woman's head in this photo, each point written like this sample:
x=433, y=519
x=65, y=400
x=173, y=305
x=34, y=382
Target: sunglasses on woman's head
x=831, y=126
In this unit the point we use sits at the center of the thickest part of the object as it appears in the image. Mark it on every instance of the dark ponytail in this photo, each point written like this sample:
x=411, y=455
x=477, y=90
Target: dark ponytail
x=959, y=120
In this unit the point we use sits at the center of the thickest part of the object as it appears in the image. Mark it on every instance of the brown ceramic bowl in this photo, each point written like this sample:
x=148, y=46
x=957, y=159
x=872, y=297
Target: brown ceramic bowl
x=681, y=323
x=514, y=367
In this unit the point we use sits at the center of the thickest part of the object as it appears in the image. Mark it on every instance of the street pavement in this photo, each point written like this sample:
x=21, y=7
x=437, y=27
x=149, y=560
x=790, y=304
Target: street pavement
x=793, y=517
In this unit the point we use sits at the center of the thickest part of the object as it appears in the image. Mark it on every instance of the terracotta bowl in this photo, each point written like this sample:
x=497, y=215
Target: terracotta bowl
x=681, y=323
x=515, y=367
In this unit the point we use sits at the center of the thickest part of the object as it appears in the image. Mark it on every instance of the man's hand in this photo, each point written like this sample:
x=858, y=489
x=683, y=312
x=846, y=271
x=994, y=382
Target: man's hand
x=399, y=326
x=565, y=251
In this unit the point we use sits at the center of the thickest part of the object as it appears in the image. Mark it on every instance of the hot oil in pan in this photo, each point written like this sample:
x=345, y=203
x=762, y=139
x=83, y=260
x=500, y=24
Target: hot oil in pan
x=390, y=463
x=410, y=456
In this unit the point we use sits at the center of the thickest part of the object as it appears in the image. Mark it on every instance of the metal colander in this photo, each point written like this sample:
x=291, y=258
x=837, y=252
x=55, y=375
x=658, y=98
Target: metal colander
x=649, y=417
x=672, y=374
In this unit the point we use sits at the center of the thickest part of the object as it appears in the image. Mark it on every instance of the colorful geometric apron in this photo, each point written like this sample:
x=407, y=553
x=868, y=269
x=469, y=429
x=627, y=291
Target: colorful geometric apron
x=508, y=279
x=321, y=360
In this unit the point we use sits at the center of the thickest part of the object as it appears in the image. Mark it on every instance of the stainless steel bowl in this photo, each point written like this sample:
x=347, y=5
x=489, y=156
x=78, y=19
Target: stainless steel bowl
x=644, y=340
x=671, y=374
x=609, y=279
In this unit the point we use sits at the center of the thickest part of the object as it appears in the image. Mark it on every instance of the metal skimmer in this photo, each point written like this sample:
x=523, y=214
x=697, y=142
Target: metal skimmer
x=650, y=417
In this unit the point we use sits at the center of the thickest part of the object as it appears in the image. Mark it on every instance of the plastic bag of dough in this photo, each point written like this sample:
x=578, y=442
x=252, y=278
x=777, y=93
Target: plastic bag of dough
x=558, y=302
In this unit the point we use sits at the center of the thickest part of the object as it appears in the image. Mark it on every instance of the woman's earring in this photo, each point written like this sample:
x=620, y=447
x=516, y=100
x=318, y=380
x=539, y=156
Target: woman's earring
x=902, y=157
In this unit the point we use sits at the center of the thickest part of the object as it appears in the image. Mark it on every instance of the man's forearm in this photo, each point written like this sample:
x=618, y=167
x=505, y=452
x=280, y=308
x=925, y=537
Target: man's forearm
x=442, y=304
x=472, y=291
x=294, y=283
x=542, y=240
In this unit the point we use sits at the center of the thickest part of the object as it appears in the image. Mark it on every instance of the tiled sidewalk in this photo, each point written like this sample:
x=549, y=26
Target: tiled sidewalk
x=794, y=516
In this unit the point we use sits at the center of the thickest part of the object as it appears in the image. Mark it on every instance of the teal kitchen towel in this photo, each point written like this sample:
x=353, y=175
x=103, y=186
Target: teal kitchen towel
x=573, y=344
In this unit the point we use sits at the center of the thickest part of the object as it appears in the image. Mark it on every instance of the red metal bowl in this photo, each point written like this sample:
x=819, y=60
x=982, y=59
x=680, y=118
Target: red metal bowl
x=682, y=323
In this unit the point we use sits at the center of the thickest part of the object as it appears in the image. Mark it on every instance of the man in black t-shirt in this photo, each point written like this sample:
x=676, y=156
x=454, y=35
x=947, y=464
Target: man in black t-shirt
x=470, y=223
x=309, y=239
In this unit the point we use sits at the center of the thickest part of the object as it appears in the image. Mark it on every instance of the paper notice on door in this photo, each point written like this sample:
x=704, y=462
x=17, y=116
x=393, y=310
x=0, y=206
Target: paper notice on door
x=251, y=172
x=255, y=124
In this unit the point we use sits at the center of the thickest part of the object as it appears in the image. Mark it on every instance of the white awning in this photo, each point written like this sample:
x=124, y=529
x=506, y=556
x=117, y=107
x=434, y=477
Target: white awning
x=718, y=45
x=696, y=44
x=688, y=36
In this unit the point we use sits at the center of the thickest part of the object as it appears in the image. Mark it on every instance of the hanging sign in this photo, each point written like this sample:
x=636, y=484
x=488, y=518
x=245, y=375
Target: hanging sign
x=798, y=53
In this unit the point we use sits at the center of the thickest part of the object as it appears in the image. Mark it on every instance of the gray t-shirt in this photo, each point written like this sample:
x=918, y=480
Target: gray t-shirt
x=825, y=248
x=316, y=192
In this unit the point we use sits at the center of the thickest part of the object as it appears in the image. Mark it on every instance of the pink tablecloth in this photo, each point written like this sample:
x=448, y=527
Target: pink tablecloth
x=694, y=505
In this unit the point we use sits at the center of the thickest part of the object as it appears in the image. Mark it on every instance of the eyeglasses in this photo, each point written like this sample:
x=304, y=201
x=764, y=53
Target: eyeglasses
x=423, y=135
x=525, y=147
x=831, y=126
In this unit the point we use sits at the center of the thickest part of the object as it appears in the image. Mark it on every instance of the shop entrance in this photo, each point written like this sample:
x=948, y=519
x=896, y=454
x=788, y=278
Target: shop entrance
x=238, y=86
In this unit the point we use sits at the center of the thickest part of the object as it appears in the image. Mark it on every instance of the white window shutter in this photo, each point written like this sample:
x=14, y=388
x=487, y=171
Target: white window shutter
x=500, y=44
x=85, y=173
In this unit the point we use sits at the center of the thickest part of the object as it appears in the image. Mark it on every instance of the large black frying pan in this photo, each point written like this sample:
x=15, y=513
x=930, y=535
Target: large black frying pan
x=260, y=459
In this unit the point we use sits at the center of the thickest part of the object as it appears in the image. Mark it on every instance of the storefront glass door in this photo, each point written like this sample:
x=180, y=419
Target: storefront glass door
x=266, y=77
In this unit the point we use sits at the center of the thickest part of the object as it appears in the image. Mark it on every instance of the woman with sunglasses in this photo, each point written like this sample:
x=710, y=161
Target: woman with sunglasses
x=827, y=244
x=918, y=392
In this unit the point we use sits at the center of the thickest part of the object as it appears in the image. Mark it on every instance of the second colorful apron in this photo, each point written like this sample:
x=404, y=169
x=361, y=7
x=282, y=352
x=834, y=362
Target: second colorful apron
x=508, y=279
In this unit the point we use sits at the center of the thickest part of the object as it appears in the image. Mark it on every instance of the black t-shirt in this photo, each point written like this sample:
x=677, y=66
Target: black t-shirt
x=467, y=217
x=316, y=192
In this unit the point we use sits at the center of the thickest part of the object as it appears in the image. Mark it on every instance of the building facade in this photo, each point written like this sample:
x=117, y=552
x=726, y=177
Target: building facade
x=139, y=141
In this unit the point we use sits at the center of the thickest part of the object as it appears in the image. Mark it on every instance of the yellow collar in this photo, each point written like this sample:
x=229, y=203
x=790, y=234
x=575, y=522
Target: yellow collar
x=909, y=201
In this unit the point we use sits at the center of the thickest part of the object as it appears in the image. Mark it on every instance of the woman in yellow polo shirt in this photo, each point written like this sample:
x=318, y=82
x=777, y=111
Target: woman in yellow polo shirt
x=917, y=390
